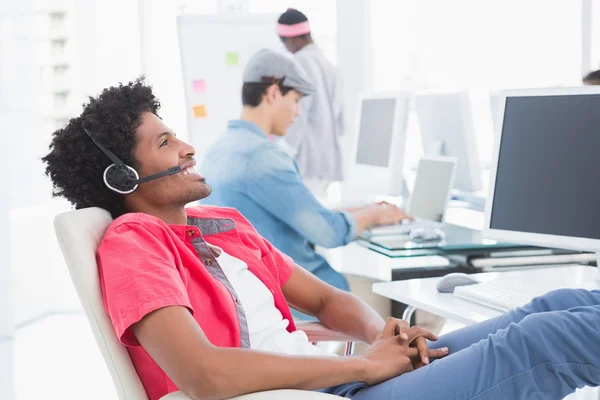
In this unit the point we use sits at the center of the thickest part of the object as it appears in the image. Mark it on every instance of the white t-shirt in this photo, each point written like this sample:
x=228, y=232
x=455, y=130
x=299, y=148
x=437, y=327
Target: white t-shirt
x=266, y=326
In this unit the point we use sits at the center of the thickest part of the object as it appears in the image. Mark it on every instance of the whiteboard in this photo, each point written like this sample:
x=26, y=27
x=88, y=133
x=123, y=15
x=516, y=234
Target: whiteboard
x=214, y=51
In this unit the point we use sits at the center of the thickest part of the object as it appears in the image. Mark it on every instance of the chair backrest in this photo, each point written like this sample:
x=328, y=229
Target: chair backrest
x=79, y=233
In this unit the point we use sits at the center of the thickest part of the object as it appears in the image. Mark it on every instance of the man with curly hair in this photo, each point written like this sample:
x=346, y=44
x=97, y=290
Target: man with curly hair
x=200, y=299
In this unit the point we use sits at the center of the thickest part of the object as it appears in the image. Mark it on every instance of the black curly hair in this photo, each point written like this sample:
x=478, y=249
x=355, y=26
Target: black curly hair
x=76, y=165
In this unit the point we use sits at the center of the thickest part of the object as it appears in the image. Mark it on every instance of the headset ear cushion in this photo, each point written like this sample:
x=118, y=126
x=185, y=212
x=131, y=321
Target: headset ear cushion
x=121, y=178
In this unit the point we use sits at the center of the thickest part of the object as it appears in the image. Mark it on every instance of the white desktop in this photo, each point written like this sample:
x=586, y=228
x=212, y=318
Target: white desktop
x=378, y=151
x=446, y=125
x=544, y=185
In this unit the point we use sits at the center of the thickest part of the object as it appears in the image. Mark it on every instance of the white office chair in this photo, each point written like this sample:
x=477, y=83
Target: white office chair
x=79, y=234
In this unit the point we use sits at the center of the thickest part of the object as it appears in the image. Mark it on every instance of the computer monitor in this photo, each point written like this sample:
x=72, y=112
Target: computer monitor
x=446, y=125
x=545, y=177
x=378, y=151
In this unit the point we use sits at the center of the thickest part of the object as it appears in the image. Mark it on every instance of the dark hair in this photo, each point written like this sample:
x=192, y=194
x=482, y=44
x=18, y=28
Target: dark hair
x=252, y=93
x=292, y=17
x=592, y=76
x=76, y=165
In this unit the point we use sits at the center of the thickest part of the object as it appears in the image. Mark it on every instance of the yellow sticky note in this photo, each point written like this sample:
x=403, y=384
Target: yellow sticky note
x=232, y=58
x=200, y=111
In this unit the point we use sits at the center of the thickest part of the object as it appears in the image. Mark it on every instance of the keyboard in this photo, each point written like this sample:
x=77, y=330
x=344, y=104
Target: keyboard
x=405, y=227
x=496, y=296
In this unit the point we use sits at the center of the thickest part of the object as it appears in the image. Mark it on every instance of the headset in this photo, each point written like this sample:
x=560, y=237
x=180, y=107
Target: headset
x=120, y=177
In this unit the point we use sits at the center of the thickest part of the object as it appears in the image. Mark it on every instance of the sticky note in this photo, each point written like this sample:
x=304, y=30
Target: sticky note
x=232, y=58
x=200, y=111
x=199, y=85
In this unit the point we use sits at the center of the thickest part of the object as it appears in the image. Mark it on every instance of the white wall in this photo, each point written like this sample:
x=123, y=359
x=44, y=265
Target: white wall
x=161, y=62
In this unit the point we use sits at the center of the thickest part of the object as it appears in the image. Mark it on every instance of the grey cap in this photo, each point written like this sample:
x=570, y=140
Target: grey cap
x=270, y=64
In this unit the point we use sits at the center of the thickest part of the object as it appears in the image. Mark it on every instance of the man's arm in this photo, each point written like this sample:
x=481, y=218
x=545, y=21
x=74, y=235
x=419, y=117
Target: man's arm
x=201, y=370
x=179, y=346
x=347, y=313
x=338, y=310
x=275, y=184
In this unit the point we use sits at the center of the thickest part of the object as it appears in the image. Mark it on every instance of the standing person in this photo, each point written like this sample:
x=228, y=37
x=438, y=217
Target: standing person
x=313, y=139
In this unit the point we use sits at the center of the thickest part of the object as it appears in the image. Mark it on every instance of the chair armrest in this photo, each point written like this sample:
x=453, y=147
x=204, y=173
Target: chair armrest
x=270, y=395
x=317, y=332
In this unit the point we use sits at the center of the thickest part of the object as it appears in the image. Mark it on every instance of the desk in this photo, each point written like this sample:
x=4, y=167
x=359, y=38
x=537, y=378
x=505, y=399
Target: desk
x=358, y=260
x=422, y=294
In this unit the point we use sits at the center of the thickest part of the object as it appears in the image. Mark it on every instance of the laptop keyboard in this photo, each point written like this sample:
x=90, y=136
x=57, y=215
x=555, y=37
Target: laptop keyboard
x=405, y=228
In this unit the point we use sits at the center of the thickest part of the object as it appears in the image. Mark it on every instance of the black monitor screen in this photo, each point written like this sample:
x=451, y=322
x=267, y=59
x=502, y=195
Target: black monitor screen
x=548, y=173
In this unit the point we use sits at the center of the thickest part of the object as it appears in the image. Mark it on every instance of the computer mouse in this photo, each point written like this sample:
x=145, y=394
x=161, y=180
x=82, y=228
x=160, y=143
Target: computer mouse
x=450, y=281
x=426, y=235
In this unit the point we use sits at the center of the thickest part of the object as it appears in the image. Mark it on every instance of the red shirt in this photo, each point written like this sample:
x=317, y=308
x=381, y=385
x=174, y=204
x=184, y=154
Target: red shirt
x=146, y=264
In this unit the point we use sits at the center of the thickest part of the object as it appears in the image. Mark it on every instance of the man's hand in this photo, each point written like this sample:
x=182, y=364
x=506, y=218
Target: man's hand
x=419, y=342
x=387, y=357
x=388, y=214
x=415, y=337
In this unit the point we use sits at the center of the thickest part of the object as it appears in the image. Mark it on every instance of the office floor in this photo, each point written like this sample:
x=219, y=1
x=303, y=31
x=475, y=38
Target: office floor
x=54, y=358
x=57, y=358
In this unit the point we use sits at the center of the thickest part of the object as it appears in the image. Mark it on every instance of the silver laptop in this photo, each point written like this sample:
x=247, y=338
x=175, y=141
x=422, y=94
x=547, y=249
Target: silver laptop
x=430, y=196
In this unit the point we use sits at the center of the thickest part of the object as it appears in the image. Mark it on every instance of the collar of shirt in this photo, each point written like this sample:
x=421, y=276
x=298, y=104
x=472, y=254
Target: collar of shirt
x=239, y=124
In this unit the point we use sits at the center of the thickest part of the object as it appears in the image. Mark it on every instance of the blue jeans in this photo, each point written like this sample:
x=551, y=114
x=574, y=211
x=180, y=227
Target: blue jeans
x=544, y=350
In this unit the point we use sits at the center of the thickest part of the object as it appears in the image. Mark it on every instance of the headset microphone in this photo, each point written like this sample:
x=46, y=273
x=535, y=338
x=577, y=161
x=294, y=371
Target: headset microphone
x=122, y=178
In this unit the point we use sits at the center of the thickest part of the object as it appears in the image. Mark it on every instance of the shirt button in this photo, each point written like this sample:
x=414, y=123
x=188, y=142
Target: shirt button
x=238, y=301
x=208, y=262
x=191, y=232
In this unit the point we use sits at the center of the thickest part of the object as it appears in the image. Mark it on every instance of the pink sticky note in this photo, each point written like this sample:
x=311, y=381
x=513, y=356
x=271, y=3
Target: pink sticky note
x=199, y=85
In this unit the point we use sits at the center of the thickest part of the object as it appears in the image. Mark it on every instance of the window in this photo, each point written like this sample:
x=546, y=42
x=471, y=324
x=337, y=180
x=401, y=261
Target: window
x=476, y=45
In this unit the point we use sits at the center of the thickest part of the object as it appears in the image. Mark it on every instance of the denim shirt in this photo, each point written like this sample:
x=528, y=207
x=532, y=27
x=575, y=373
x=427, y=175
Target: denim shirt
x=249, y=172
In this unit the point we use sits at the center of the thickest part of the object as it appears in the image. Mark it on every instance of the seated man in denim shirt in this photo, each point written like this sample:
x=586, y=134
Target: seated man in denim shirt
x=249, y=172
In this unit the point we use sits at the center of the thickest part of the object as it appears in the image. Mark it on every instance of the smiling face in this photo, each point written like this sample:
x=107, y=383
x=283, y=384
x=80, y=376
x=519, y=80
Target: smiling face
x=157, y=149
